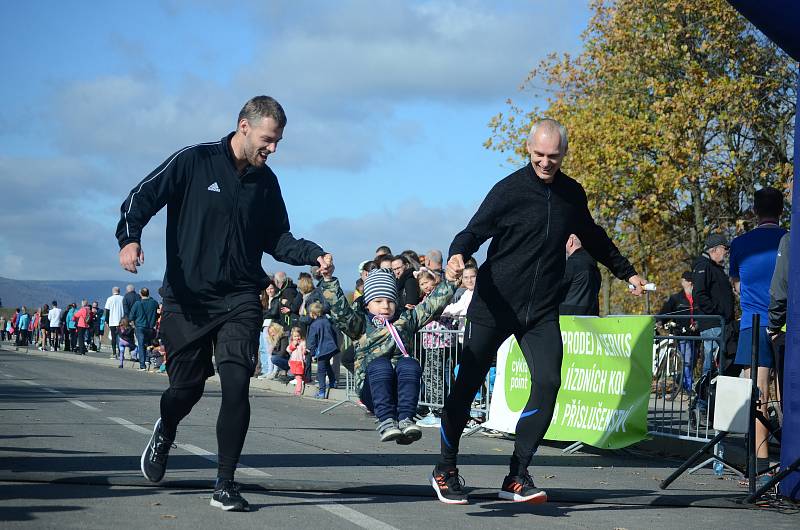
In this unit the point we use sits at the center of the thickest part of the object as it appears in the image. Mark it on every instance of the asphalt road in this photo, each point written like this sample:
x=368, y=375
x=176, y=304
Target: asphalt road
x=72, y=433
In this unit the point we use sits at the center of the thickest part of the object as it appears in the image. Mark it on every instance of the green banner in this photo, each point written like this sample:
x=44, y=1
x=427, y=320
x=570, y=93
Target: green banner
x=605, y=382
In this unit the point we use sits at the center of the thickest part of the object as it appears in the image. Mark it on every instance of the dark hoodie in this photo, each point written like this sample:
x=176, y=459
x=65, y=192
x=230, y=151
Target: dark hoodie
x=407, y=290
x=712, y=292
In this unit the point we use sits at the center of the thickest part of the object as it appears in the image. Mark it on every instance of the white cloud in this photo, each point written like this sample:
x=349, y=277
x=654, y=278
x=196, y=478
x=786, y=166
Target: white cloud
x=342, y=70
x=348, y=74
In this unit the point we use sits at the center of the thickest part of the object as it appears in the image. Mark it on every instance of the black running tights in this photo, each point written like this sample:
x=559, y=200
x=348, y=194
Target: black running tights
x=234, y=413
x=541, y=346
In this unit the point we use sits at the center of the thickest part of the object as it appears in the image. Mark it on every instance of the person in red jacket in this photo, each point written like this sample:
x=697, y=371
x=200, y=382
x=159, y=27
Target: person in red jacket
x=83, y=318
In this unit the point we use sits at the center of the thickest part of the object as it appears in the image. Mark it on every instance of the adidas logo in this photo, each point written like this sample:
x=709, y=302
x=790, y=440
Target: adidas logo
x=214, y=187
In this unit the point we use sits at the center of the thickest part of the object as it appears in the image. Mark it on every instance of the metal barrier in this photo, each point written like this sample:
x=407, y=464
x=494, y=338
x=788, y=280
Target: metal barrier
x=679, y=396
x=437, y=347
x=351, y=396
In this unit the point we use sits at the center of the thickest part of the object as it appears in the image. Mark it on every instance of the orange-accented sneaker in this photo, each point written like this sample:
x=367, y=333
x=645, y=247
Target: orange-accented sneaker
x=522, y=489
x=449, y=486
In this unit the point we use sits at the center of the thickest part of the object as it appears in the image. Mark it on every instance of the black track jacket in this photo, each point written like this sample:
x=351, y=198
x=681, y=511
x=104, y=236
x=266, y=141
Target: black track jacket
x=219, y=224
x=529, y=223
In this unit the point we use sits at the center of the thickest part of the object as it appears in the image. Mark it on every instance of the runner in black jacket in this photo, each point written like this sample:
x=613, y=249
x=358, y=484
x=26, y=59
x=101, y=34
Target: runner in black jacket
x=528, y=215
x=224, y=210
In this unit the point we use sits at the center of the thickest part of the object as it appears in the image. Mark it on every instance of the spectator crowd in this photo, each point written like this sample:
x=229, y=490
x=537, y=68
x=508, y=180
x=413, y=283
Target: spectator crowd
x=130, y=323
x=297, y=334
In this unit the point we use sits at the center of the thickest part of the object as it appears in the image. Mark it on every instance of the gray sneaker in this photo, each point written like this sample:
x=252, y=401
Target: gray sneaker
x=411, y=432
x=388, y=430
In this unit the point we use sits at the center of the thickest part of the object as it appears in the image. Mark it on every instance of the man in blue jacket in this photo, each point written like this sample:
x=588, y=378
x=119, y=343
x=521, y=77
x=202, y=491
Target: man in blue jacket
x=144, y=314
x=224, y=211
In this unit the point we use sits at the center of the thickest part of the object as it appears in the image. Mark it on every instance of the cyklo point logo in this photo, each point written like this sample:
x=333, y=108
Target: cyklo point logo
x=517, y=382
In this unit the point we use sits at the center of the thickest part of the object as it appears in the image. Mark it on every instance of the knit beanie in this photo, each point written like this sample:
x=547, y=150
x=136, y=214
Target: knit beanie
x=380, y=283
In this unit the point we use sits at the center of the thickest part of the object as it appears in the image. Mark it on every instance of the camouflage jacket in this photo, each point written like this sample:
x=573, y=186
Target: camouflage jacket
x=377, y=341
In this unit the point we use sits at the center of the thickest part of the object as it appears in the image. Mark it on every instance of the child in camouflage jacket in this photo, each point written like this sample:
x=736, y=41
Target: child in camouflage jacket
x=387, y=379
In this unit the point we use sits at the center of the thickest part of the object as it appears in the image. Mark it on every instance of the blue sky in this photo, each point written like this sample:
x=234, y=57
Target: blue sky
x=388, y=105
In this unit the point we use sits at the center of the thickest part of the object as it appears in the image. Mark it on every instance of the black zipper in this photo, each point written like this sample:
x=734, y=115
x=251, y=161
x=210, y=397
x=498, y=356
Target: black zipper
x=538, y=262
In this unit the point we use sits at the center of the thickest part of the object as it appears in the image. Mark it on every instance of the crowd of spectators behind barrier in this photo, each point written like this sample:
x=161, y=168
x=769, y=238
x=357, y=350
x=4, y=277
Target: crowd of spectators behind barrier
x=297, y=332
x=294, y=312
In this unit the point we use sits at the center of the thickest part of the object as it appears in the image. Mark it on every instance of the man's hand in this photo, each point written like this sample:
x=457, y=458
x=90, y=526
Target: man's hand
x=455, y=266
x=326, y=266
x=285, y=310
x=638, y=284
x=131, y=256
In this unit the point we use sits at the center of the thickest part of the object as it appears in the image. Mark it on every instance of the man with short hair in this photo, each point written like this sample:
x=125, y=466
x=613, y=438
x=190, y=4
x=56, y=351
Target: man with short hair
x=224, y=211
x=752, y=264
x=713, y=295
x=144, y=315
x=55, y=315
x=529, y=216
x=407, y=287
x=130, y=298
x=289, y=300
x=581, y=282
x=114, y=310
x=433, y=262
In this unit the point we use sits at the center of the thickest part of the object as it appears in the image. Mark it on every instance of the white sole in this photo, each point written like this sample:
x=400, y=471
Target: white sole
x=141, y=461
x=392, y=436
x=413, y=434
x=217, y=504
x=442, y=499
x=538, y=498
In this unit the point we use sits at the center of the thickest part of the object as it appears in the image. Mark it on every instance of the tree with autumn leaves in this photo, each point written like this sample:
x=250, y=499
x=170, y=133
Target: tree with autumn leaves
x=677, y=111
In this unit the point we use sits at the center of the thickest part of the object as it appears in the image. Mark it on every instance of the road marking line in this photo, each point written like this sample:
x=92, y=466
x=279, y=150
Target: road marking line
x=51, y=390
x=6, y=375
x=251, y=471
x=29, y=382
x=82, y=405
x=199, y=451
x=189, y=448
x=131, y=426
x=354, y=516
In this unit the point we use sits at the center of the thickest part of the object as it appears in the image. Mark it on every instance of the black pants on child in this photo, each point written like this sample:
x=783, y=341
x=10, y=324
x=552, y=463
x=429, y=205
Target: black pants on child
x=542, y=348
x=392, y=392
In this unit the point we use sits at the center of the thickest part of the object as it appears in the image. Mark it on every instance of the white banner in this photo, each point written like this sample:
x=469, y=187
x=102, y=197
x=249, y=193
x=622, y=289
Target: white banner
x=501, y=417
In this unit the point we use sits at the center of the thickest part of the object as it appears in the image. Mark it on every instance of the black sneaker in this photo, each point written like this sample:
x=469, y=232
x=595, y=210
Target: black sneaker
x=522, y=489
x=449, y=486
x=226, y=496
x=154, y=456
